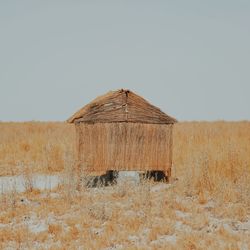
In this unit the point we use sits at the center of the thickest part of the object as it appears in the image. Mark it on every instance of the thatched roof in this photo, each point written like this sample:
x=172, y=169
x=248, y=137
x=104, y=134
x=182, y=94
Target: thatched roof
x=121, y=106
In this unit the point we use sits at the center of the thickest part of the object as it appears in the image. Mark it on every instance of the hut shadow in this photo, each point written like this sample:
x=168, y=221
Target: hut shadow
x=157, y=176
x=110, y=178
x=107, y=179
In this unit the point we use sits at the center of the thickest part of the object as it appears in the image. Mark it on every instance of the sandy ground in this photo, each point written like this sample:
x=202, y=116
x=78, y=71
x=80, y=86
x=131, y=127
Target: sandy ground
x=129, y=215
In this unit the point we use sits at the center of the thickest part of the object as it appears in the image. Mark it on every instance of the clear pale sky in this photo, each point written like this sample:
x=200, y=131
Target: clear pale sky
x=190, y=58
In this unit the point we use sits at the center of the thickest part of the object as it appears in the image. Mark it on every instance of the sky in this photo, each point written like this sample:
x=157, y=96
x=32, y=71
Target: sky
x=189, y=58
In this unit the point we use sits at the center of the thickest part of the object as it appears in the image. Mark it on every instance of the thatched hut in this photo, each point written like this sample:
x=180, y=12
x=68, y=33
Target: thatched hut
x=122, y=131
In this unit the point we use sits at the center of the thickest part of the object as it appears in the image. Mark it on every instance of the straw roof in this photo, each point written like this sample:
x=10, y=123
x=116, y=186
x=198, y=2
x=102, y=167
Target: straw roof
x=121, y=106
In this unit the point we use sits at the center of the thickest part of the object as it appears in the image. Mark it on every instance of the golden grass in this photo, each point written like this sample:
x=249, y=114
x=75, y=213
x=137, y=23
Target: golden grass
x=207, y=157
x=38, y=147
x=203, y=209
x=213, y=158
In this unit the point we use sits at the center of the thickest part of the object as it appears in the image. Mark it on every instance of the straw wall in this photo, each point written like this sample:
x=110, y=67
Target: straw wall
x=124, y=146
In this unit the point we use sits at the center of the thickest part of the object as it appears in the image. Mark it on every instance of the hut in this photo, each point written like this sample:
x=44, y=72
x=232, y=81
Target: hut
x=122, y=131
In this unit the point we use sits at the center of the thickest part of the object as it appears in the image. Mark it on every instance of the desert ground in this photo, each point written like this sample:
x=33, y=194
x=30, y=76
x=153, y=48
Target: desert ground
x=206, y=205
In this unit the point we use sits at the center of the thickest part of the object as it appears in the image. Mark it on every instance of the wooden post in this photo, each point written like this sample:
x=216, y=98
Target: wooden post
x=168, y=172
x=78, y=157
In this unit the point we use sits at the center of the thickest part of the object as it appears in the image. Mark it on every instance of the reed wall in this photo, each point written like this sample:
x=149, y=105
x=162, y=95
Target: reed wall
x=124, y=146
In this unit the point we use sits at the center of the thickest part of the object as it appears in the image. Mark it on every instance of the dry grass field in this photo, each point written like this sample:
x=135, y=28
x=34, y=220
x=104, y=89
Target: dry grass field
x=206, y=206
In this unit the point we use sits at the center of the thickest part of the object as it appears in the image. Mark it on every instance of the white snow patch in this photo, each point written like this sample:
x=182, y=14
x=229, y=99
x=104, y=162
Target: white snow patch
x=37, y=228
x=160, y=187
x=133, y=176
x=245, y=226
x=133, y=238
x=181, y=214
x=168, y=238
x=164, y=239
x=180, y=226
x=229, y=229
x=209, y=205
x=96, y=230
x=17, y=183
x=243, y=246
x=115, y=247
